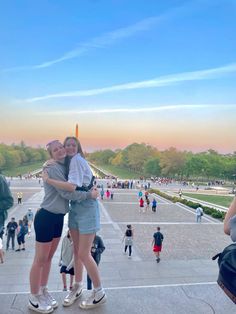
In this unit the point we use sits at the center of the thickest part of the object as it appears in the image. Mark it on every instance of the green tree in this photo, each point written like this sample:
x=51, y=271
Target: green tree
x=152, y=167
x=172, y=162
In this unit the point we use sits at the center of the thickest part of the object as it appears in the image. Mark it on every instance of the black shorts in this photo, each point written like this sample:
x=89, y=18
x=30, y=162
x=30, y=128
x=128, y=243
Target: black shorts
x=70, y=271
x=21, y=239
x=47, y=225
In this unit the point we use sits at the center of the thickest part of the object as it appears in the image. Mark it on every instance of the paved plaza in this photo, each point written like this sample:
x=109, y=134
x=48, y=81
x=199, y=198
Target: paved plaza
x=183, y=282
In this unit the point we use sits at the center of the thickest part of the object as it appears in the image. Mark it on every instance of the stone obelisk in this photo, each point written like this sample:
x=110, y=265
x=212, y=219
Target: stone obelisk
x=77, y=131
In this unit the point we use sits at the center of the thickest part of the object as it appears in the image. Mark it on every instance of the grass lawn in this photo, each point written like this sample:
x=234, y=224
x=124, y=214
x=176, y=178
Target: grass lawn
x=121, y=173
x=221, y=200
x=23, y=169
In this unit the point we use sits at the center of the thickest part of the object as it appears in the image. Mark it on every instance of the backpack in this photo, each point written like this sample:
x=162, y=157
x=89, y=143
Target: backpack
x=227, y=271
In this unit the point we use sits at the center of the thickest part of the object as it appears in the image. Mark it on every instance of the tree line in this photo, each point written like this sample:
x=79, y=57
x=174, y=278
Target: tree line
x=15, y=155
x=151, y=162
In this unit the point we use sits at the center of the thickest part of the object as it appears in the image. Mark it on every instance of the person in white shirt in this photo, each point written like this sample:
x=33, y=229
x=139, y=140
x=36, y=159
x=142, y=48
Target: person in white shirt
x=199, y=214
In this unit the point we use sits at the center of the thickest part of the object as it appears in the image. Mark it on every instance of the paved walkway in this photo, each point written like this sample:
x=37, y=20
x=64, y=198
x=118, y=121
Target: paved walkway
x=183, y=282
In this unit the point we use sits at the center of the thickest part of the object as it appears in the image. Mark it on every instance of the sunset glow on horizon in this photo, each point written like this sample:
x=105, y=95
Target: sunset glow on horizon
x=163, y=74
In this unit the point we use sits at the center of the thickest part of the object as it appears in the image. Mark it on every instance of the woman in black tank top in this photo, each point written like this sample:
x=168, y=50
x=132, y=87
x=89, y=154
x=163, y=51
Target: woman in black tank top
x=128, y=237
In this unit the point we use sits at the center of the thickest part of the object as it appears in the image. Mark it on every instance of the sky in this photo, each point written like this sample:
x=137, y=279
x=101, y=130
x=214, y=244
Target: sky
x=155, y=72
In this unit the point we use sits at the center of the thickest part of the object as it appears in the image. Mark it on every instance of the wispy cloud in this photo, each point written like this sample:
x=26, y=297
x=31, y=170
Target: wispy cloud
x=109, y=38
x=98, y=42
x=168, y=80
x=136, y=110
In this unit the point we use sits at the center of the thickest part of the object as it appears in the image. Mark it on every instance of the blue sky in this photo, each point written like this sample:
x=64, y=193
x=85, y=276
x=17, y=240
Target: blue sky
x=102, y=63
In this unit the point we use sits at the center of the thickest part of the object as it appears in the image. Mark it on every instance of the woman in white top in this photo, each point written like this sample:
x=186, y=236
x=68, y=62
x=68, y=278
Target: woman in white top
x=84, y=222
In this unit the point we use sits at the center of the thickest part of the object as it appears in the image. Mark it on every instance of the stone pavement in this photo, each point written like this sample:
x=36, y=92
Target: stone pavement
x=183, y=282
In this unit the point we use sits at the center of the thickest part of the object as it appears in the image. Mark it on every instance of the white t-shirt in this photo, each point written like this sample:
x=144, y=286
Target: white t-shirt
x=199, y=211
x=80, y=172
x=1, y=246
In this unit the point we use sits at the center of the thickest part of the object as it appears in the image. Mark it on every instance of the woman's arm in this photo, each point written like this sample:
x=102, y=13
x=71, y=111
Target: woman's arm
x=230, y=213
x=67, y=186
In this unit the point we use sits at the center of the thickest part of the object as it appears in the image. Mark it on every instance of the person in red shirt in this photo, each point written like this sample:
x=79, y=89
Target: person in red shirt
x=141, y=204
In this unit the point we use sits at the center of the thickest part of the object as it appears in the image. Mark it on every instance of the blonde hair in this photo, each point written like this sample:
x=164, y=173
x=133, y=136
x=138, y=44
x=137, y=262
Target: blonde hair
x=49, y=146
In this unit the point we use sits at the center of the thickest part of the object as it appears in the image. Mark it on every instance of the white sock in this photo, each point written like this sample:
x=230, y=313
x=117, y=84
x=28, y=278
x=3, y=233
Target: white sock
x=79, y=283
x=42, y=288
x=98, y=288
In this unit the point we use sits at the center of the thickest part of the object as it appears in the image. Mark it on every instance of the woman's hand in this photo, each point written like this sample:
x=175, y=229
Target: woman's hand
x=49, y=163
x=94, y=193
x=45, y=175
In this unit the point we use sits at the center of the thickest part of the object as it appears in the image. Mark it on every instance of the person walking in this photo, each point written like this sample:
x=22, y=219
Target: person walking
x=147, y=207
x=112, y=194
x=6, y=202
x=20, y=235
x=67, y=260
x=154, y=205
x=19, y=197
x=128, y=238
x=140, y=194
x=199, y=214
x=141, y=204
x=157, y=243
x=48, y=225
x=84, y=222
x=11, y=233
x=102, y=193
x=96, y=251
x=108, y=194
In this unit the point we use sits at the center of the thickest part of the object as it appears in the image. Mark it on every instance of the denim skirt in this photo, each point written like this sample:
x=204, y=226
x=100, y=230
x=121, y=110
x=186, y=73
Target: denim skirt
x=84, y=216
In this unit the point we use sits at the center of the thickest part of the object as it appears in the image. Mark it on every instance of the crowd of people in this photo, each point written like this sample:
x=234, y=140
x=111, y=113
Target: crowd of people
x=144, y=202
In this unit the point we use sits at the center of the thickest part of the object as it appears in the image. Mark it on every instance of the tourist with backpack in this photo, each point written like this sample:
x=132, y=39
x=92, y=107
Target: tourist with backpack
x=199, y=214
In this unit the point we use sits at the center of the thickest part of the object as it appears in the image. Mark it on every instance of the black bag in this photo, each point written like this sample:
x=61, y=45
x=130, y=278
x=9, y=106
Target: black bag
x=227, y=271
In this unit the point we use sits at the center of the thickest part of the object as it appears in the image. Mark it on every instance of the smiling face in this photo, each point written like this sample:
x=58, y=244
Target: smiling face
x=57, y=151
x=71, y=147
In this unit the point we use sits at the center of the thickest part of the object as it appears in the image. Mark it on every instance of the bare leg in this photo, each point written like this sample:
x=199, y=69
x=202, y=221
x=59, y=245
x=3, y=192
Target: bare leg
x=230, y=213
x=71, y=281
x=47, y=265
x=38, y=275
x=78, y=265
x=63, y=275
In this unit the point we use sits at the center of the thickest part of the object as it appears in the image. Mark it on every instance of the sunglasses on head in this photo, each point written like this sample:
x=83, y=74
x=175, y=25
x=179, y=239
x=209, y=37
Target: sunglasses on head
x=50, y=143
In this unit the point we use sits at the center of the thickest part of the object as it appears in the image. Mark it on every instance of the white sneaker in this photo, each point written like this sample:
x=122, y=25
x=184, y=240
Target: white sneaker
x=96, y=299
x=39, y=304
x=49, y=298
x=74, y=294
